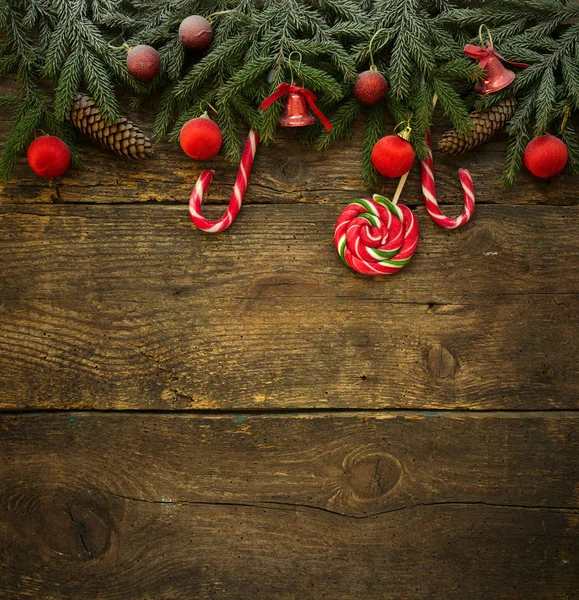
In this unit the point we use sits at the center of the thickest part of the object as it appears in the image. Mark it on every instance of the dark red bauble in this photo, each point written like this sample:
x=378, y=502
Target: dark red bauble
x=143, y=62
x=370, y=87
x=392, y=156
x=48, y=156
x=545, y=156
x=200, y=138
x=195, y=32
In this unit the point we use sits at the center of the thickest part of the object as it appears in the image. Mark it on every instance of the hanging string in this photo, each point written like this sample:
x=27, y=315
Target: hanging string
x=292, y=80
x=373, y=66
x=480, y=36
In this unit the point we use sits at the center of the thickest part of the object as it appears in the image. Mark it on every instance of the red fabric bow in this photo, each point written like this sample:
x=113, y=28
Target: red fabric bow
x=286, y=88
x=483, y=55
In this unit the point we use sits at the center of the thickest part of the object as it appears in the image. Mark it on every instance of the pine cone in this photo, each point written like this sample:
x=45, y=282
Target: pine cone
x=122, y=137
x=485, y=123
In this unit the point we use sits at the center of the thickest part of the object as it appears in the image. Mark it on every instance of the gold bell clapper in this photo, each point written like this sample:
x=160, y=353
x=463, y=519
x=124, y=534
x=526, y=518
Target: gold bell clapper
x=296, y=112
x=497, y=77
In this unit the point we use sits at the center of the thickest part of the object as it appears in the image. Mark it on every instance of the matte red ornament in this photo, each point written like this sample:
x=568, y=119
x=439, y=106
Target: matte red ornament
x=200, y=138
x=296, y=112
x=143, y=62
x=48, y=156
x=393, y=156
x=370, y=87
x=545, y=156
x=195, y=32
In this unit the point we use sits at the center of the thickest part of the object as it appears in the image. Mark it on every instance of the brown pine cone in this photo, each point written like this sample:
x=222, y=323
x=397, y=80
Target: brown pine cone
x=122, y=137
x=485, y=123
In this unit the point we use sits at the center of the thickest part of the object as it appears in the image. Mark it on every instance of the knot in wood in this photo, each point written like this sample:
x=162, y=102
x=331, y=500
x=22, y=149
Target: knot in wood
x=441, y=362
x=370, y=474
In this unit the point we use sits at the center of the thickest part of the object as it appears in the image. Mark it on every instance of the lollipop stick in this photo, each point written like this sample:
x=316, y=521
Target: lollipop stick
x=400, y=187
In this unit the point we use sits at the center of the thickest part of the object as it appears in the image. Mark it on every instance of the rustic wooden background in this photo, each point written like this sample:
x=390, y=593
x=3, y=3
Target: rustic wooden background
x=240, y=416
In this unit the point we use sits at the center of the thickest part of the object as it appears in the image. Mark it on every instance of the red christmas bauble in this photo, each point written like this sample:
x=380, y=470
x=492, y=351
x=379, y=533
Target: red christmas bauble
x=545, y=156
x=195, y=32
x=48, y=156
x=392, y=156
x=143, y=62
x=200, y=138
x=370, y=87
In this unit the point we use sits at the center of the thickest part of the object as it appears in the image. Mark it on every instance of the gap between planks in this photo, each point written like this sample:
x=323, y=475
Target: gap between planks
x=309, y=413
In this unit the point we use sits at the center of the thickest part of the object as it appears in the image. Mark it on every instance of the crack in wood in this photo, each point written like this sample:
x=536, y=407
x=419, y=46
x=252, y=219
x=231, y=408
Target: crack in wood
x=270, y=505
x=80, y=530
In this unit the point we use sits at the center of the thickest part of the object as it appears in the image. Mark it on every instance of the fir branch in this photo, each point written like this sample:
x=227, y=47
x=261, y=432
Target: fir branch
x=342, y=123
x=209, y=64
x=453, y=106
x=9, y=101
x=247, y=111
x=165, y=114
x=569, y=137
x=423, y=109
x=100, y=87
x=570, y=74
x=21, y=135
x=517, y=129
x=230, y=130
x=514, y=160
x=245, y=77
x=172, y=58
x=460, y=68
x=318, y=81
x=545, y=101
x=68, y=85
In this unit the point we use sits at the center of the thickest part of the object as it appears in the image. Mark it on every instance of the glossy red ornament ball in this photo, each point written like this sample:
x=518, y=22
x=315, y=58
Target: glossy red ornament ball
x=370, y=87
x=545, y=156
x=195, y=32
x=143, y=62
x=48, y=156
x=200, y=138
x=392, y=156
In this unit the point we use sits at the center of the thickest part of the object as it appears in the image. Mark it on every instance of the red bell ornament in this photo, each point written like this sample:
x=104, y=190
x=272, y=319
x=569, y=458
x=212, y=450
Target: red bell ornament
x=497, y=76
x=296, y=107
x=296, y=112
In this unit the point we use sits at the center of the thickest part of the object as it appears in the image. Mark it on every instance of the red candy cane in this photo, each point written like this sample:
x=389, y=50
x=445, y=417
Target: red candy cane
x=429, y=193
x=236, y=197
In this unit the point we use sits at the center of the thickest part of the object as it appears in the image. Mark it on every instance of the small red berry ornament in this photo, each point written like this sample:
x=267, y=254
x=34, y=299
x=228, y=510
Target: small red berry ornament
x=48, y=156
x=200, y=138
x=393, y=155
x=143, y=62
x=370, y=87
x=195, y=32
x=545, y=156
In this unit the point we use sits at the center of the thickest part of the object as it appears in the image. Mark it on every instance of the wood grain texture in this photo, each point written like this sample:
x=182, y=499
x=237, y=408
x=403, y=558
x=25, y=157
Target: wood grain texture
x=360, y=506
x=130, y=307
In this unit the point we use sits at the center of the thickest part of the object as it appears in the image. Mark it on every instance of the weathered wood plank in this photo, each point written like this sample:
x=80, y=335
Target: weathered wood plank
x=284, y=172
x=122, y=307
x=360, y=506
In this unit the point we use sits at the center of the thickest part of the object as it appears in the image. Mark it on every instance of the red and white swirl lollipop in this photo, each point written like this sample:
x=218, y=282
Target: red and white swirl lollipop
x=375, y=236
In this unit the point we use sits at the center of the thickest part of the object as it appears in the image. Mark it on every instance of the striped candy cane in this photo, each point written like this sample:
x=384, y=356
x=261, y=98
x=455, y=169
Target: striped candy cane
x=236, y=197
x=429, y=193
